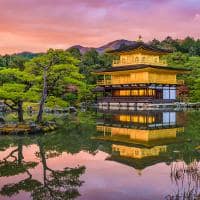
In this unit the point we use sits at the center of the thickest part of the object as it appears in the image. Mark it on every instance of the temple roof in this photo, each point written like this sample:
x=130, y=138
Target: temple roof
x=140, y=45
x=140, y=163
x=98, y=89
x=140, y=66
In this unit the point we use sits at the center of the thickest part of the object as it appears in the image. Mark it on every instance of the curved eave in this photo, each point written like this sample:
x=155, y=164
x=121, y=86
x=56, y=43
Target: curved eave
x=139, y=164
x=142, y=67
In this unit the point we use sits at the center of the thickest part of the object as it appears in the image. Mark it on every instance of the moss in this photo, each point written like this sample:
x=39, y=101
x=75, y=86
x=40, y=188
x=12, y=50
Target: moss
x=25, y=128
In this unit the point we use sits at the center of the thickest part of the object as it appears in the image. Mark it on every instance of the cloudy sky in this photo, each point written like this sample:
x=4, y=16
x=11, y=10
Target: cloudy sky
x=36, y=25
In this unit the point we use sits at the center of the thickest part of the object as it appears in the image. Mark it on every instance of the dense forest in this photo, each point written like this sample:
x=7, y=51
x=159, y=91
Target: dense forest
x=64, y=77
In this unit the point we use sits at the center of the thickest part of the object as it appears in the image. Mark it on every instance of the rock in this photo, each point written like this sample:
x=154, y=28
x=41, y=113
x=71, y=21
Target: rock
x=176, y=151
x=72, y=109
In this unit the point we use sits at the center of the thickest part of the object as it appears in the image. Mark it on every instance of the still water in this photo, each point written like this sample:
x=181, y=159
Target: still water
x=106, y=156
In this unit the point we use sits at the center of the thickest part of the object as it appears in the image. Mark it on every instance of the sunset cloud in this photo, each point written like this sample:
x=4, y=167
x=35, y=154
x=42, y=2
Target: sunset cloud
x=36, y=25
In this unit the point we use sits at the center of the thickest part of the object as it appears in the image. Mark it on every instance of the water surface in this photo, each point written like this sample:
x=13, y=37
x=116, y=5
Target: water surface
x=118, y=155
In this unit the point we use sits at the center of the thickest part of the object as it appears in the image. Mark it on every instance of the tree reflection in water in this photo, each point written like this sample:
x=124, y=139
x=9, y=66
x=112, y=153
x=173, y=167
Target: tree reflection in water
x=186, y=178
x=57, y=184
x=14, y=164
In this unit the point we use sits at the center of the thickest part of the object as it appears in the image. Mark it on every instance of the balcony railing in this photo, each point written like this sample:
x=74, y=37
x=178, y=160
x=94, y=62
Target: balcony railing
x=126, y=62
x=103, y=128
x=109, y=82
x=104, y=82
x=131, y=99
x=124, y=99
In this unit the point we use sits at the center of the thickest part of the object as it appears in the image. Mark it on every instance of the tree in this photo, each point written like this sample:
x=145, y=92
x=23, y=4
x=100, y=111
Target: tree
x=192, y=78
x=155, y=42
x=13, y=61
x=16, y=87
x=91, y=61
x=75, y=52
x=188, y=46
x=177, y=59
x=58, y=69
x=169, y=43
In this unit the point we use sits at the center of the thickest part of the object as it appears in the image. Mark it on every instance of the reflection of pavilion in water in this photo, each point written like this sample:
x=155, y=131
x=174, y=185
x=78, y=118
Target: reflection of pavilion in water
x=140, y=139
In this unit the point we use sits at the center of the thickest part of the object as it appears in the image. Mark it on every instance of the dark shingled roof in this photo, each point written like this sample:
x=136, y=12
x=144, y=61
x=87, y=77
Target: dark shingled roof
x=140, y=66
x=98, y=89
x=142, y=45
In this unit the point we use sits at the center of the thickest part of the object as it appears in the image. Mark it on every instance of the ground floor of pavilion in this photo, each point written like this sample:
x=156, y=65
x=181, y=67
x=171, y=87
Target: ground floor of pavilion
x=140, y=93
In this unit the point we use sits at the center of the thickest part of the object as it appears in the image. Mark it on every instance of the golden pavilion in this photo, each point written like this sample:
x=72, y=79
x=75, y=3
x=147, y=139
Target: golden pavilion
x=139, y=75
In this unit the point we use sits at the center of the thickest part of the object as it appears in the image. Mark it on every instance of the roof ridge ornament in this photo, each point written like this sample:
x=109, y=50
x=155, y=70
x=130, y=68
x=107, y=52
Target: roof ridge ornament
x=139, y=39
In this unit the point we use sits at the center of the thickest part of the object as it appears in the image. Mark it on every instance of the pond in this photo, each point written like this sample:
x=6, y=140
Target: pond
x=102, y=155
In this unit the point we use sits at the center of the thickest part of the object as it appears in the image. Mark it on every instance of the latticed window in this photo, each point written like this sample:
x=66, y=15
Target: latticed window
x=134, y=92
x=125, y=92
x=141, y=92
x=136, y=59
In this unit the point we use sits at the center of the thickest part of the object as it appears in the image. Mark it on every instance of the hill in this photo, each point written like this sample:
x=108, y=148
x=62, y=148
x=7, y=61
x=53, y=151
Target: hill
x=109, y=46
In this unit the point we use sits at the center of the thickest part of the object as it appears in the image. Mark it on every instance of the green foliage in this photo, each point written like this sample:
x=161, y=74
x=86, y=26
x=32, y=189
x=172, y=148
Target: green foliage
x=13, y=61
x=75, y=52
x=16, y=87
x=192, y=78
x=91, y=61
x=55, y=102
x=62, y=71
x=188, y=45
x=177, y=59
x=71, y=98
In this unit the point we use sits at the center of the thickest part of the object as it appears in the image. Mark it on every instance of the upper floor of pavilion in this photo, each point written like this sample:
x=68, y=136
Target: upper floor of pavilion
x=139, y=53
x=139, y=63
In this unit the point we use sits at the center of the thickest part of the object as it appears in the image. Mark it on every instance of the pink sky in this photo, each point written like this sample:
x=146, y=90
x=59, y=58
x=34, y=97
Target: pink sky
x=36, y=25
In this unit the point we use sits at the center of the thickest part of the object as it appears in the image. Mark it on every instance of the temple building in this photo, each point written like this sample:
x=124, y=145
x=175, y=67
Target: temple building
x=139, y=75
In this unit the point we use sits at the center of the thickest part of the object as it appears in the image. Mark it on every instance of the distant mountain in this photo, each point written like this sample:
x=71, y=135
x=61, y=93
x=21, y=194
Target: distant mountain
x=109, y=46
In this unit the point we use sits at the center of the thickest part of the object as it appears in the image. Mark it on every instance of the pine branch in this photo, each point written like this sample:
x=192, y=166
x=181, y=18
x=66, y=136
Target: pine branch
x=10, y=106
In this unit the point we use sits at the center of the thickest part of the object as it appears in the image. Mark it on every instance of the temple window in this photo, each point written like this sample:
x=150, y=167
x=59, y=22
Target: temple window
x=124, y=92
x=141, y=92
x=136, y=152
x=136, y=59
x=141, y=119
x=135, y=119
x=134, y=92
x=123, y=60
x=151, y=92
x=143, y=59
